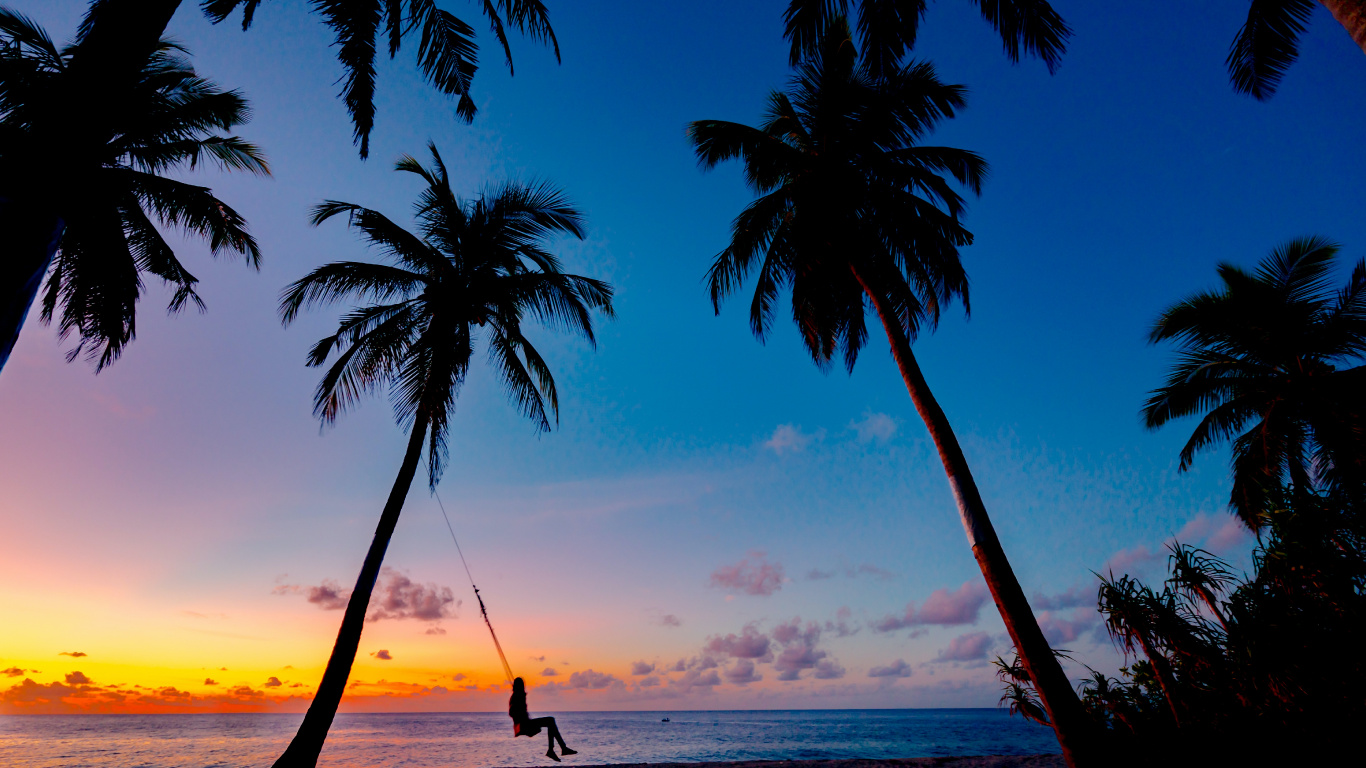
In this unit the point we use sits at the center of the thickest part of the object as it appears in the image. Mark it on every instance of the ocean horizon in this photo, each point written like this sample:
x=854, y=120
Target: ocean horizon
x=484, y=739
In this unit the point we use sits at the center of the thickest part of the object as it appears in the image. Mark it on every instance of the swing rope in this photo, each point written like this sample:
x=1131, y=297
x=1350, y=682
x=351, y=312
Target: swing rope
x=482, y=611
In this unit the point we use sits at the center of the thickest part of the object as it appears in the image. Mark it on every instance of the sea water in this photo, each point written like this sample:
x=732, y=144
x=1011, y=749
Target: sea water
x=484, y=740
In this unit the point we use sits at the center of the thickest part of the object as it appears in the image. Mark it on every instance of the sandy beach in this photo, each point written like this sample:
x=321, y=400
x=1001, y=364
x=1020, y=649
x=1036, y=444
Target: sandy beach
x=980, y=761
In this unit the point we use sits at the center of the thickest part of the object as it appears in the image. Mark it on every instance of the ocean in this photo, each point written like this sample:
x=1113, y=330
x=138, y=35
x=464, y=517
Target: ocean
x=484, y=740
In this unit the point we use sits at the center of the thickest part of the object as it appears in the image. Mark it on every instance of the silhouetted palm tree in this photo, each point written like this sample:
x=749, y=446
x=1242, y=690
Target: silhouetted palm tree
x=479, y=267
x=855, y=213
x=1273, y=349
x=1268, y=42
x=103, y=189
x=115, y=41
x=888, y=28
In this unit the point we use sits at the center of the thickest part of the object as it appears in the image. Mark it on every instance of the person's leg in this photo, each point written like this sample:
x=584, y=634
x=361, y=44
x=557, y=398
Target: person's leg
x=548, y=723
x=555, y=732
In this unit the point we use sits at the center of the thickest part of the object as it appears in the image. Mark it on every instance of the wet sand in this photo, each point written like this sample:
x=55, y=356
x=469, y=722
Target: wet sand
x=980, y=761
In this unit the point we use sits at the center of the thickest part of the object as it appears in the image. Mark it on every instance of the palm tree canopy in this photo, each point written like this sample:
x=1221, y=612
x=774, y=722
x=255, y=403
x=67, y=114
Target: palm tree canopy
x=843, y=185
x=1267, y=45
x=107, y=183
x=447, y=52
x=474, y=265
x=1280, y=349
x=888, y=28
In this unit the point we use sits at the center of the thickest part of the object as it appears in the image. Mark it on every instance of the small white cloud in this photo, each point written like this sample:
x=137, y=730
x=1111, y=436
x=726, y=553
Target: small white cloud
x=874, y=426
x=789, y=438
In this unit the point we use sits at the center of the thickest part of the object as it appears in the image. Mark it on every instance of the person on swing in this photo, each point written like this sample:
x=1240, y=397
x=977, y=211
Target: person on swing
x=523, y=725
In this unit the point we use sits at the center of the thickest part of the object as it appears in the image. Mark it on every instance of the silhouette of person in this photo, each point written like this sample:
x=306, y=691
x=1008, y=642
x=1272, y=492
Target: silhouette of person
x=523, y=725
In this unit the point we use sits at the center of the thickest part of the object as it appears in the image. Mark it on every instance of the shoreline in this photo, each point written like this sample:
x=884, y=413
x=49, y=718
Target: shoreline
x=970, y=761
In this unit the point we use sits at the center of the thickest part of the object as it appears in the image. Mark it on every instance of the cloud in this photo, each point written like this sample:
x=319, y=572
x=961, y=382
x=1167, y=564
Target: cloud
x=273, y=682
x=680, y=666
x=943, y=608
x=1229, y=538
x=382, y=655
x=828, y=669
x=670, y=620
x=789, y=438
x=1075, y=597
x=742, y=673
x=74, y=654
x=15, y=672
x=898, y=668
x=549, y=672
x=641, y=668
x=399, y=597
x=970, y=647
x=749, y=644
x=434, y=630
x=594, y=680
x=874, y=426
x=816, y=574
x=840, y=627
x=753, y=575
x=648, y=682
x=77, y=678
x=799, y=651
x=868, y=569
x=1059, y=630
x=540, y=658
x=1134, y=560
x=210, y=681
x=697, y=678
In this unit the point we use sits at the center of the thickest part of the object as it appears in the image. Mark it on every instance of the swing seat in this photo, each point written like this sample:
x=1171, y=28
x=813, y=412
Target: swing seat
x=525, y=729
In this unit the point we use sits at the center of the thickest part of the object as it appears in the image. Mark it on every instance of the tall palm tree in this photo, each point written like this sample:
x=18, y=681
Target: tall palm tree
x=114, y=44
x=104, y=187
x=853, y=213
x=1281, y=350
x=1269, y=40
x=888, y=28
x=478, y=267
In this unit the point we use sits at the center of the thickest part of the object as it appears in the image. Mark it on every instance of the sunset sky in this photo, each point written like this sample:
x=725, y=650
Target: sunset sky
x=715, y=524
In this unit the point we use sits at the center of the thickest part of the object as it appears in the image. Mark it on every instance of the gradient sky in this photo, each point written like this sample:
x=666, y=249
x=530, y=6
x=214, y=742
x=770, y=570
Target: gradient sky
x=715, y=523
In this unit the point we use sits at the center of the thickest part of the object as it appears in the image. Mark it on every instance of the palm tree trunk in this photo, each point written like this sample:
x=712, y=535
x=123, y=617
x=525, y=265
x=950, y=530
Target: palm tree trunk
x=303, y=751
x=27, y=255
x=1064, y=709
x=1351, y=14
x=1163, y=671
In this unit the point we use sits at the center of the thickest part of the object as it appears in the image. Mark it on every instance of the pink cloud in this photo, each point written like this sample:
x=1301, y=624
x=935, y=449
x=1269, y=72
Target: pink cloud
x=743, y=673
x=1059, y=630
x=753, y=575
x=641, y=668
x=942, y=608
x=749, y=644
x=383, y=655
x=670, y=620
x=898, y=668
x=1134, y=560
x=594, y=680
x=1232, y=536
x=547, y=672
x=1075, y=597
x=399, y=597
x=970, y=647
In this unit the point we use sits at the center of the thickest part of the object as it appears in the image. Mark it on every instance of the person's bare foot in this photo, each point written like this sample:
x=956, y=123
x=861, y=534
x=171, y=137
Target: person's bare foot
x=568, y=751
x=550, y=753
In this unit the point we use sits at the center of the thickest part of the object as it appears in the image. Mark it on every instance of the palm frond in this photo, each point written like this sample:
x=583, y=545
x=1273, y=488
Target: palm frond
x=1266, y=45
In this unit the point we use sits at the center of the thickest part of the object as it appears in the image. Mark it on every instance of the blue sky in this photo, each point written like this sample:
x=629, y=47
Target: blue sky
x=191, y=477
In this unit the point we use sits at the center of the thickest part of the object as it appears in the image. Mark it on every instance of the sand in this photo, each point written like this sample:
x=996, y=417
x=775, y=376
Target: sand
x=987, y=761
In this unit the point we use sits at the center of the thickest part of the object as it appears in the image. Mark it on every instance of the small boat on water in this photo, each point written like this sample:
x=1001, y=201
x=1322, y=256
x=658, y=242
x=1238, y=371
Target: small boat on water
x=665, y=720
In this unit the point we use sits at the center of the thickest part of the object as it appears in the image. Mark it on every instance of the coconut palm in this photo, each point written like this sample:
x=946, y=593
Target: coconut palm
x=478, y=268
x=104, y=187
x=1280, y=350
x=1268, y=42
x=114, y=44
x=888, y=28
x=854, y=213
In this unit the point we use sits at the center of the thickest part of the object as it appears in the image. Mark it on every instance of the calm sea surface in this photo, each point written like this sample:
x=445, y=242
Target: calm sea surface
x=485, y=740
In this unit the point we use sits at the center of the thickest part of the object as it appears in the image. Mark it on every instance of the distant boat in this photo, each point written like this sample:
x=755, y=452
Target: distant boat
x=665, y=720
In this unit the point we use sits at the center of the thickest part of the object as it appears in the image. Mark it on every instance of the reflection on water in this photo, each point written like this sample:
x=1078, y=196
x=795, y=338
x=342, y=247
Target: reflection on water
x=485, y=740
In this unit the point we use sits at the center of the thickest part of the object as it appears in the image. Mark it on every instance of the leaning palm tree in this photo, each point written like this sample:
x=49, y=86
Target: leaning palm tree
x=105, y=185
x=888, y=28
x=479, y=267
x=1281, y=351
x=854, y=213
x=1269, y=40
x=114, y=44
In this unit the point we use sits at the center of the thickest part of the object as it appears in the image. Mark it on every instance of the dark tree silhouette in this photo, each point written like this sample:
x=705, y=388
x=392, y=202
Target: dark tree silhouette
x=1278, y=349
x=105, y=184
x=888, y=28
x=478, y=267
x=855, y=214
x=1269, y=40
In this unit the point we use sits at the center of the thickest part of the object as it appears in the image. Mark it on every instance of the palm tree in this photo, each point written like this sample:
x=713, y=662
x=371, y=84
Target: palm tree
x=1268, y=42
x=1277, y=348
x=114, y=44
x=104, y=187
x=888, y=28
x=854, y=213
x=478, y=265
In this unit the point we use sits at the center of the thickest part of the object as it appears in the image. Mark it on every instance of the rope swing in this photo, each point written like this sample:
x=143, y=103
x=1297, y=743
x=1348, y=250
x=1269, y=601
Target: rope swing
x=507, y=670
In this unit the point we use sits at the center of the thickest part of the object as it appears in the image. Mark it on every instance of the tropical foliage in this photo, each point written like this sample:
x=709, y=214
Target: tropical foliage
x=447, y=48
x=1269, y=41
x=476, y=268
x=1272, y=364
x=887, y=29
x=855, y=213
x=108, y=183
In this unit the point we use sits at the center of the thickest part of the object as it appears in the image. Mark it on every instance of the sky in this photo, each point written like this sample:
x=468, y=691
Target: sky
x=715, y=523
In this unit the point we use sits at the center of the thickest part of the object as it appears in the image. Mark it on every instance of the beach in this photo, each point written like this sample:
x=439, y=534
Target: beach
x=978, y=761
